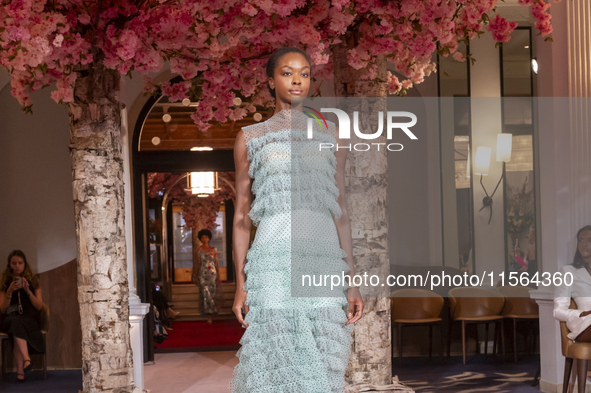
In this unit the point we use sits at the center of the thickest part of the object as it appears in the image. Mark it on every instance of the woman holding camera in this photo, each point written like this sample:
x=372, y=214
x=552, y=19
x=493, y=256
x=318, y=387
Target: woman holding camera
x=20, y=299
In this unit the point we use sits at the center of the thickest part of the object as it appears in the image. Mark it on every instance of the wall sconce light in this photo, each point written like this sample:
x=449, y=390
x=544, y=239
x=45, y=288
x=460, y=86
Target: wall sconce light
x=202, y=184
x=482, y=160
x=482, y=164
x=534, y=66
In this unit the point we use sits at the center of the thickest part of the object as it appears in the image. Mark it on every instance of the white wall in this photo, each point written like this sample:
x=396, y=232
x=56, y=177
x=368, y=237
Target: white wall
x=36, y=208
x=414, y=185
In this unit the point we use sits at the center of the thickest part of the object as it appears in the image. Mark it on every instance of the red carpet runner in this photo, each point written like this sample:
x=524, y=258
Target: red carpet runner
x=196, y=334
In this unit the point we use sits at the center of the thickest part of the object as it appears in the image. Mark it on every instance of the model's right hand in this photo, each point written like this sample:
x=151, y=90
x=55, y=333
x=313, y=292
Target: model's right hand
x=239, y=300
x=584, y=314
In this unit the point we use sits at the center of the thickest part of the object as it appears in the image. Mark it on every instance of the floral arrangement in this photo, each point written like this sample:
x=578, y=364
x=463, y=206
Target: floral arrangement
x=160, y=182
x=220, y=48
x=196, y=210
x=520, y=206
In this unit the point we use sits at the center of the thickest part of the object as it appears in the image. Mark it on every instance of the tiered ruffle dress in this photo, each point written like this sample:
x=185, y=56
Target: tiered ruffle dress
x=295, y=343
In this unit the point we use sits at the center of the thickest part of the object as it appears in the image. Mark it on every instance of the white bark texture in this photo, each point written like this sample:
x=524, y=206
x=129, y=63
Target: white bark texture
x=97, y=171
x=367, y=182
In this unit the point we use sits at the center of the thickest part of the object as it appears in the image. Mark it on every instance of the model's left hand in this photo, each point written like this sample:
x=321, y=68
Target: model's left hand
x=27, y=287
x=355, y=306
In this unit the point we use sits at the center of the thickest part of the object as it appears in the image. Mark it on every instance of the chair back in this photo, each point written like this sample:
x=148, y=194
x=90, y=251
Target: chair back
x=415, y=304
x=518, y=301
x=470, y=302
x=564, y=331
x=44, y=318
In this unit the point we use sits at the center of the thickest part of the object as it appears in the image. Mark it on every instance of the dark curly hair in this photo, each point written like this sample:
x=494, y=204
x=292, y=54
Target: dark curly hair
x=274, y=59
x=205, y=232
x=578, y=261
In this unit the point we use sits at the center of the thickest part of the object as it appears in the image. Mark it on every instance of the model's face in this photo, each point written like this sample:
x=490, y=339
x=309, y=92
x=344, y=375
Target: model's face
x=17, y=264
x=291, y=79
x=585, y=244
x=204, y=239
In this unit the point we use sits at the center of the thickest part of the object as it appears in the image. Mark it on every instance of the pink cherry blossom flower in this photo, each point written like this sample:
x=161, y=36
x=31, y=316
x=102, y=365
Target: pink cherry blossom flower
x=57, y=41
x=249, y=10
x=458, y=56
x=501, y=28
x=177, y=91
x=220, y=47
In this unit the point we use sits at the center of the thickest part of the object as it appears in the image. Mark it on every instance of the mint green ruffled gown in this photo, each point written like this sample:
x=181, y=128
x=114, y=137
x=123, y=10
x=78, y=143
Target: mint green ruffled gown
x=293, y=344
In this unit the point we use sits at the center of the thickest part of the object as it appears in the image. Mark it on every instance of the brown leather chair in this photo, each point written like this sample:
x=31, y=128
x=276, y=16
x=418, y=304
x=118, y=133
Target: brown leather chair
x=573, y=350
x=471, y=305
x=4, y=344
x=414, y=307
x=519, y=306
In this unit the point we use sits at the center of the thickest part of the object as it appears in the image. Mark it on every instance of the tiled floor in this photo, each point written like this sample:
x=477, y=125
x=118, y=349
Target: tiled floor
x=190, y=372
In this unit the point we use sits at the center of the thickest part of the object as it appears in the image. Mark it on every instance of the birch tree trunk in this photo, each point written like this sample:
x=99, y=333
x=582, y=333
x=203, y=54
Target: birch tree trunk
x=97, y=171
x=367, y=182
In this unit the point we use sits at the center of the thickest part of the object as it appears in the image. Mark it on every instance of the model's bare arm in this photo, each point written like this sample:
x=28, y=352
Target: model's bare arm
x=242, y=223
x=343, y=226
x=343, y=223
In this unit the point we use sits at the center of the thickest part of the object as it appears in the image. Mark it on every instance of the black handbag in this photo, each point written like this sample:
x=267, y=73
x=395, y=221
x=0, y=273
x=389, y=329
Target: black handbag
x=12, y=310
x=15, y=308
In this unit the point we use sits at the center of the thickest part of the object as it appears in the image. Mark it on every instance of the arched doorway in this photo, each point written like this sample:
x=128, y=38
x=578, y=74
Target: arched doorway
x=167, y=143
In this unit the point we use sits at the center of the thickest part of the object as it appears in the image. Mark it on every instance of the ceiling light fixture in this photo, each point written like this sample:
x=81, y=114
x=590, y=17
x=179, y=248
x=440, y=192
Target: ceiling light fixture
x=202, y=184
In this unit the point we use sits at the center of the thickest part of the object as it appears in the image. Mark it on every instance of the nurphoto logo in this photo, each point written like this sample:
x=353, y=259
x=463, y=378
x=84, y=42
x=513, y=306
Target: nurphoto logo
x=345, y=128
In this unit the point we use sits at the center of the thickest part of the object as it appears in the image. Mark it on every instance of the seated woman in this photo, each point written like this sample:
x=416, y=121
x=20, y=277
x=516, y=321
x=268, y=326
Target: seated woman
x=166, y=313
x=578, y=321
x=20, y=298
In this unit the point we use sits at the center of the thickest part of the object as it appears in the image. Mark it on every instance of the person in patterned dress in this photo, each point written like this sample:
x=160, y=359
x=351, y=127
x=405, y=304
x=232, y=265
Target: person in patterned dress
x=206, y=275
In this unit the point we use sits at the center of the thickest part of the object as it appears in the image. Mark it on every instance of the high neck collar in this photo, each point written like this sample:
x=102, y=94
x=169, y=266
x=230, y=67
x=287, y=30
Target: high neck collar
x=289, y=114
